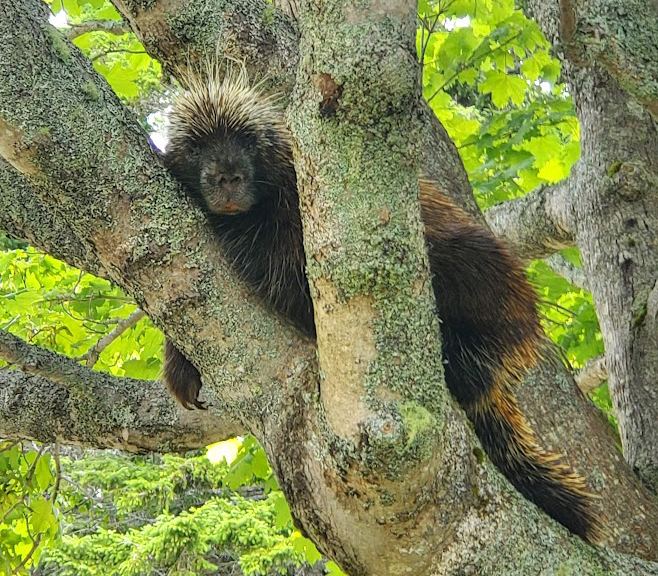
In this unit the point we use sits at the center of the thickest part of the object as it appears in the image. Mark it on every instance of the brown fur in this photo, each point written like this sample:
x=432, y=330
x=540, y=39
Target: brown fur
x=490, y=329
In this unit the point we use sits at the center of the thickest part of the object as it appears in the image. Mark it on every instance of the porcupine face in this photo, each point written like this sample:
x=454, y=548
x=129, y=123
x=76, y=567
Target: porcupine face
x=228, y=144
x=228, y=179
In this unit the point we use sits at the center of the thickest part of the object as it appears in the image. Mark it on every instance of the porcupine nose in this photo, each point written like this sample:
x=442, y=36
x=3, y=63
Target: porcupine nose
x=231, y=186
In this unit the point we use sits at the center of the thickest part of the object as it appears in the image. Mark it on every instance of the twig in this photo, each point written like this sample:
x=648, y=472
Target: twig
x=115, y=50
x=463, y=67
x=9, y=446
x=32, y=469
x=58, y=472
x=27, y=558
x=75, y=298
x=12, y=508
x=92, y=355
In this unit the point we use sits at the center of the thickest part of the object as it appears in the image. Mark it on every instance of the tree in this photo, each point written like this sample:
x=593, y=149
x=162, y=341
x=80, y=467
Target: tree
x=379, y=468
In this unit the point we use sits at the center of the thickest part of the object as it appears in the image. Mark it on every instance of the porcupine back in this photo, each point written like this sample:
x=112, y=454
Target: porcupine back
x=490, y=329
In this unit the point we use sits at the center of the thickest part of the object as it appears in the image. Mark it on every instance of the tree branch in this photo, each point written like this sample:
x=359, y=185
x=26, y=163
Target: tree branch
x=592, y=375
x=536, y=225
x=251, y=31
x=91, y=356
x=619, y=37
x=570, y=272
x=148, y=256
x=52, y=398
x=116, y=27
x=23, y=215
x=613, y=199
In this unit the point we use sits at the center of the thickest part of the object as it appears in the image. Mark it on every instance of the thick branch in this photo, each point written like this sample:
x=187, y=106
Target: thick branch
x=630, y=510
x=614, y=199
x=251, y=31
x=536, y=225
x=621, y=37
x=152, y=244
x=23, y=215
x=52, y=397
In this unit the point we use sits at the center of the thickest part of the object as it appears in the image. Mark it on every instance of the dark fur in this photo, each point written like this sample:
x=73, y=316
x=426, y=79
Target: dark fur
x=490, y=328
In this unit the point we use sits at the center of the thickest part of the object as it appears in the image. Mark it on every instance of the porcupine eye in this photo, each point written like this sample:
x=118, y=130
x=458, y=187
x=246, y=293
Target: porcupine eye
x=227, y=176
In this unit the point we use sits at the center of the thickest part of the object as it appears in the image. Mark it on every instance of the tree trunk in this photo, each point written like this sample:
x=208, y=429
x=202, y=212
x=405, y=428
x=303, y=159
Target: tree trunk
x=614, y=206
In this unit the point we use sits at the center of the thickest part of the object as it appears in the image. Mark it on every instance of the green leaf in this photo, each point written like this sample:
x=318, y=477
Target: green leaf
x=260, y=465
x=306, y=548
x=121, y=79
x=72, y=7
x=503, y=88
x=334, y=570
x=553, y=171
x=43, y=474
x=283, y=517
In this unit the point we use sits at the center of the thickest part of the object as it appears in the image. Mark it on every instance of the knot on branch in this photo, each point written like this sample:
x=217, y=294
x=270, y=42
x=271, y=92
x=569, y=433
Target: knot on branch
x=398, y=439
x=631, y=180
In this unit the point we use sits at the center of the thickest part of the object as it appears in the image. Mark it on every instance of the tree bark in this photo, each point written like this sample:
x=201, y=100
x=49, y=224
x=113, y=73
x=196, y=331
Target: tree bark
x=53, y=398
x=537, y=224
x=614, y=202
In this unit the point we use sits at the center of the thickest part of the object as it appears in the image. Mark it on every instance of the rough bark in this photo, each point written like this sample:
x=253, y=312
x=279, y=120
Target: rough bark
x=628, y=507
x=537, y=224
x=53, y=398
x=592, y=375
x=357, y=520
x=25, y=217
x=364, y=241
x=615, y=206
x=619, y=37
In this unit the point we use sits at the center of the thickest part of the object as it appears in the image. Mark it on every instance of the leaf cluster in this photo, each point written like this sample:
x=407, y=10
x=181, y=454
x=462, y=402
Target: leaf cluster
x=132, y=516
x=489, y=76
x=28, y=520
x=53, y=305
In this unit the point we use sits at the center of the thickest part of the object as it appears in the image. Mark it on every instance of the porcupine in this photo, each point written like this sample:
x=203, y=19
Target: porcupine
x=230, y=148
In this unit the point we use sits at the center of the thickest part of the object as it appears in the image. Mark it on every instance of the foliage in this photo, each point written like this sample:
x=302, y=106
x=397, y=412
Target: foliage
x=28, y=520
x=53, y=305
x=133, y=516
x=50, y=304
x=490, y=79
x=121, y=59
